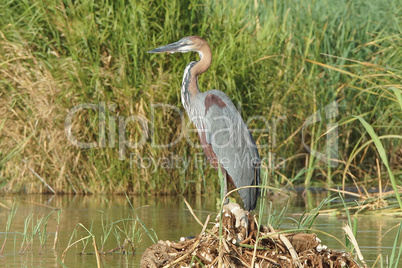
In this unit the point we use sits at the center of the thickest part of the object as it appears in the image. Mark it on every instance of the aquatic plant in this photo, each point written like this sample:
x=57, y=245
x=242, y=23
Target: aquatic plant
x=10, y=219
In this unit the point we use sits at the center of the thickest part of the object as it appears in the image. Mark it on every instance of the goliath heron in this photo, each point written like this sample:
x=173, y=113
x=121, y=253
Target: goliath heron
x=224, y=136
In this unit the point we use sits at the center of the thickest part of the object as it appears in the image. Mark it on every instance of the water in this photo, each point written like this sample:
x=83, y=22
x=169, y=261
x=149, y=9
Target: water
x=166, y=215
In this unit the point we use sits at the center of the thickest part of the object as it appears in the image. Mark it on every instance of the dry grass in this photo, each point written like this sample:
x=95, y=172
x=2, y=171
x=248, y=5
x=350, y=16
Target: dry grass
x=32, y=134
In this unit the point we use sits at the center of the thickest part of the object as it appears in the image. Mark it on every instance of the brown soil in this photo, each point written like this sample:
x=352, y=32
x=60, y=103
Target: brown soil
x=236, y=249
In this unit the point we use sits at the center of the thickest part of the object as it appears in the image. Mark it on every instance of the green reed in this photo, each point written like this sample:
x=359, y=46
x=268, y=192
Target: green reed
x=279, y=60
x=10, y=219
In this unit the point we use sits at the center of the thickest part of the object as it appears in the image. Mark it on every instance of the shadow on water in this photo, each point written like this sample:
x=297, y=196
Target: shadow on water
x=167, y=216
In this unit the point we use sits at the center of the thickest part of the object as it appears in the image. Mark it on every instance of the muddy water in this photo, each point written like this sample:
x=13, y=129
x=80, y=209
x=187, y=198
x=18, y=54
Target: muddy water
x=167, y=216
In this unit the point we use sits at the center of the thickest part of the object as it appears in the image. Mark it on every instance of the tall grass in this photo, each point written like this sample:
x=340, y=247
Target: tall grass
x=281, y=60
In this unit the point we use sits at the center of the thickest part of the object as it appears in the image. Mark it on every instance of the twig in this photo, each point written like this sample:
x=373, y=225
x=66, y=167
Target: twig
x=379, y=180
x=96, y=252
x=65, y=251
x=192, y=212
x=4, y=206
x=194, y=246
x=42, y=180
x=240, y=257
x=291, y=250
x=257, y=238
x=344, y=192
x=262, y=257
x=353, y=240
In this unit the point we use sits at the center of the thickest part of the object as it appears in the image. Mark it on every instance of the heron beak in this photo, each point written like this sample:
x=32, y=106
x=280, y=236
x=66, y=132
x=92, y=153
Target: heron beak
x=171, y=48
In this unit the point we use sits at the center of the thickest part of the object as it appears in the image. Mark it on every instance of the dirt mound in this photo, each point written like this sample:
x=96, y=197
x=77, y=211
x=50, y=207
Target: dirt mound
x=238, y=248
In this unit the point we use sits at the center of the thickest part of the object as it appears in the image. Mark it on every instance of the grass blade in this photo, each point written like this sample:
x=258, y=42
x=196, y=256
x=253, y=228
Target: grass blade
x=393, y=260
x=383, y=156
x=398, y=95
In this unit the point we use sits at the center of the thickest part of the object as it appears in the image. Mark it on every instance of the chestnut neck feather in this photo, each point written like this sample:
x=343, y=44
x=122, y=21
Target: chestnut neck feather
x=189, y=87
x=198, y=68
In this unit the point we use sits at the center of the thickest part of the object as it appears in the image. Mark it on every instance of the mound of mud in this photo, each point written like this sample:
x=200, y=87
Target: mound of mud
x=238, y=248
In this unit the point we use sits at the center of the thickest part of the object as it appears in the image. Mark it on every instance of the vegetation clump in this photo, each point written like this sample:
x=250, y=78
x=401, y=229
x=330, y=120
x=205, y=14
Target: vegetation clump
x=262, y=246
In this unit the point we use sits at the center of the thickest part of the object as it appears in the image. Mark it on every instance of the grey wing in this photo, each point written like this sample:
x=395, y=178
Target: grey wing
x=234, y=147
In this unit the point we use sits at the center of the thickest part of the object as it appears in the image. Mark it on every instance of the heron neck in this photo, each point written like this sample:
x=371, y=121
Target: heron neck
x=190, y=78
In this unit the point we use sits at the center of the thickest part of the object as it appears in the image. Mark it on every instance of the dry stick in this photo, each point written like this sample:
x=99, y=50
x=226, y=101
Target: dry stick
x=289, y=246
x=220, y=256
x=65, y=251
x=377, y=260
x=271, y=229
x=352, y=239
x=126, y=241
x=96, y=252
x=256, y=243
x=214, y=261
x=202, y=259
x=42, y=180
x=113, y=250
x=263, y=257
x=55, y=237
x=181, y=246
x=225, y=245
x=199, y=222
x=291, y=250
x=344, y=192
x=321, y=265
x=4, y=206
x=194, y=246
x=379, y=182
x=192, y=212
x=240, y=257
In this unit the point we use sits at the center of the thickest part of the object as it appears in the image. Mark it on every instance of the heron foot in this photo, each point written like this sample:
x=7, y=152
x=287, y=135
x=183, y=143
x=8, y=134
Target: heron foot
x=239, y=213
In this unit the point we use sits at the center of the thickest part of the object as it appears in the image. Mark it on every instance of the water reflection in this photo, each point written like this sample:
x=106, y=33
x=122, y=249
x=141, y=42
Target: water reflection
x=167, y=216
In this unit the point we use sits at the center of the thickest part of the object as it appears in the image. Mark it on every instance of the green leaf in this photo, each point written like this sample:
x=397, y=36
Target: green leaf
x=383, y=155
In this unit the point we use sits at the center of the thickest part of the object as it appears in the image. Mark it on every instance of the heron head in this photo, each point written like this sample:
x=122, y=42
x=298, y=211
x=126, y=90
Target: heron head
x=186, y=44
